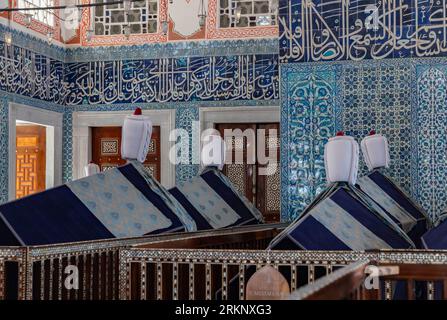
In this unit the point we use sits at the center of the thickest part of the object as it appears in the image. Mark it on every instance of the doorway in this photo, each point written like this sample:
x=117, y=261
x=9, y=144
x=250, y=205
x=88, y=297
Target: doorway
x=263, y=190
x=23, y=115
x=31, y=140
x=106, y=149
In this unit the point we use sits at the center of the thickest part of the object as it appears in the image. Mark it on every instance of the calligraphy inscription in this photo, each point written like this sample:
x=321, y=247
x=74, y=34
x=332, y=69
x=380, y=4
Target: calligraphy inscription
x=323, y=30
x=31, y=74
x=212, y=78
x=244, y=77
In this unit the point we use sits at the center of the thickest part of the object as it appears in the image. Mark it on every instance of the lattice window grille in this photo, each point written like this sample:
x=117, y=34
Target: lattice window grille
x=112, y=19
x=44, y=16
x=247, y=13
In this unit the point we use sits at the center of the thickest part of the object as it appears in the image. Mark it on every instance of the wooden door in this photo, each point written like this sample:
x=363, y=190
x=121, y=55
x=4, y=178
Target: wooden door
x=268, y=185
x=106, y=149
x=30, y=159
x=262, y=190
x=241, y=173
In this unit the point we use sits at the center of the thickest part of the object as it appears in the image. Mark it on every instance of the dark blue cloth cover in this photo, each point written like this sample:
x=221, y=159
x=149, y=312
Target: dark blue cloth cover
x=138, y=181
x=393, y=191
x=230, y=197
x=58, y=216
x=201, y=223
x=399, y=196
x=52, y=216
x=309, y=234
x=225, y=192
x=436, y=238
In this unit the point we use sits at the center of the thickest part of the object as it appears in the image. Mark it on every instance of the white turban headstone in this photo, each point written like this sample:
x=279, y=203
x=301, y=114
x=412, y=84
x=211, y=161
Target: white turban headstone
x=213, y=151
x=136, y=137
x=341, y=158
x=91, y=169
x=375, y=151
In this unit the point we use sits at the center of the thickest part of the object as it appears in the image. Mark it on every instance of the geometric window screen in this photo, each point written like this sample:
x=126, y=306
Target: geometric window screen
x=247, y=13
x=44, y=16
x=152, y=147
x=236, y=172
x=108, y=166
x=112, y=18
x=152, y=168
x=273, y=191
x=109, y=147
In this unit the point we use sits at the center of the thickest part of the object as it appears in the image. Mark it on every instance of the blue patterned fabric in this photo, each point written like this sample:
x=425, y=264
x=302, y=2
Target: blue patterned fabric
x=120, y=207
x=213, y=202
x=53, y=216
x=121, y=202
x=163, y=197
x=201, y=221
x=162, y=203
x=341, y=220
x=225, y=189
x=397, y=194
x=247, y=203
x=203, y=198
x=411, y=214
x=389, y=206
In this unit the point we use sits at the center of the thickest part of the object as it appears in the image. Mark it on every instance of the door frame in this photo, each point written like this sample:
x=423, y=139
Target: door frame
x=82, y=137
x=53, y=121
x=209, y=116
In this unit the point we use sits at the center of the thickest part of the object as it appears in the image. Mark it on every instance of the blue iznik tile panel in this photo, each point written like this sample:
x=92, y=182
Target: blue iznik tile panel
x=327, y=30
x=430, y=132
x=213, y=78
x=67, y=146
x=404, y=99
x=184, y=119
x=308, y=118
x=178, y=49
x=32, y=43
x=378, y=96
x=4, y=140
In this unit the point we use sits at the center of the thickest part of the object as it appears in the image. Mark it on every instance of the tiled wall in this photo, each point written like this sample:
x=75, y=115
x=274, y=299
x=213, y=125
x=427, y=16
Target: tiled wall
x=386, y=84
x=323, y=30
x=175, y=76
x=211, y=78
x=5, y=99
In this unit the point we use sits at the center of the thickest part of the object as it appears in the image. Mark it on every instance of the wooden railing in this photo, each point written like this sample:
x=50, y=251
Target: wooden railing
x=407, y=281
x=190, y=274
x=345, y=283
x=40, y=272
x=418, y=280
x=165, y=273
x=206, y=265
x=12, y=273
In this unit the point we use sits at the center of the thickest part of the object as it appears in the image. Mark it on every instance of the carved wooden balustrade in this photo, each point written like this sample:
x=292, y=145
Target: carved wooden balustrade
x=12, y=273
x=205, y=265
x=404, y=279
x=40, y=272
x=148, y=272
x=345, y=283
